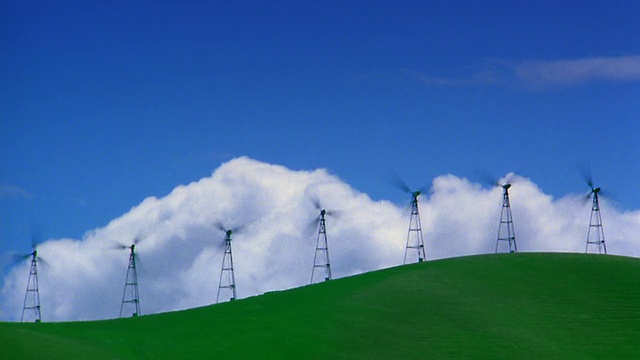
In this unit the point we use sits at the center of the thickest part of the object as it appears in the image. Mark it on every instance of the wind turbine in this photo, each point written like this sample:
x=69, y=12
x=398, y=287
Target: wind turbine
x=227, y=276
x=506, y=231
x=595, y=234
x=130, y=294
x=321, y=260
x=31, y=302
x=32, y=295
x=415, y=241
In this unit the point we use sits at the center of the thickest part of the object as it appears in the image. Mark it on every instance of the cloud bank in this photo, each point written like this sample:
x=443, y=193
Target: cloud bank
x=10, y=191
x=181, y=253
x=542, y=73
x=565, y=72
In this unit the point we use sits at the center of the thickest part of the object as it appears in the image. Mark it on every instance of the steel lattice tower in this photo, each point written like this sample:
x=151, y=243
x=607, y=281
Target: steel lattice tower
x=506, y=231
x=227, y=277
x=595, y=225
x=32, y=296
x=415, y=242
x=130, y=294
x=321, y=257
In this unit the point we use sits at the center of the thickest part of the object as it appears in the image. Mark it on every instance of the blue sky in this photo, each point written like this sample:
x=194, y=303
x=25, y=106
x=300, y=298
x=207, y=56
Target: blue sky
x=103, y=104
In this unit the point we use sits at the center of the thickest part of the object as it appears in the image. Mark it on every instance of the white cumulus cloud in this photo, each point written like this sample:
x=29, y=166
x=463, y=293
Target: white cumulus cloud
x=181, y=248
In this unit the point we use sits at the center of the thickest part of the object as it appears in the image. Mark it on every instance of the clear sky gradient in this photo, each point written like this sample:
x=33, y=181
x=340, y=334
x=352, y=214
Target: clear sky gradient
x=104, y=103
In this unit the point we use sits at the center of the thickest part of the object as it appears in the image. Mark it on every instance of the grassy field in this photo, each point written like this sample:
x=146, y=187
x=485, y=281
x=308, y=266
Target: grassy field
x=524, y=306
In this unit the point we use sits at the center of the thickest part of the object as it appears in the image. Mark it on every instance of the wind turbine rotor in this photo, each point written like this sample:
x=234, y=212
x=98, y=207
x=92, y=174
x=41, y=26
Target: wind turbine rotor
x=402, y=185
x=588, y=179
x=33, y=255
x=37, y=236
x=228, y=232
x=119, y=246
x=20, y=257
x=585, y=171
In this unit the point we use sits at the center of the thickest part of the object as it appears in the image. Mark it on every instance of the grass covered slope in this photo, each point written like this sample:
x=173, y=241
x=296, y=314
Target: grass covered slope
x=491, y=306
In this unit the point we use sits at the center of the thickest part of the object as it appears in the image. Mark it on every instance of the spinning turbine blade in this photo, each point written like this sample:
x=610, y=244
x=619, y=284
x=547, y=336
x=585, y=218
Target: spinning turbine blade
x=312, y=226
x=23, y=256
x=37, y=236
x=220, y=227
x=508, y=179
x=42, y=261
x=238, y=229
x=423, y=190
x=139, y=238
x=316, y=202
x=334, y=213
x=401, y=184
x=119, y=246
x=486, y=178
x=586, y=175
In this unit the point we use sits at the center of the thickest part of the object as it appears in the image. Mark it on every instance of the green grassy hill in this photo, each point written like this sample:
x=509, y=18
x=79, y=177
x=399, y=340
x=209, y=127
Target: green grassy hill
x=535, y=306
